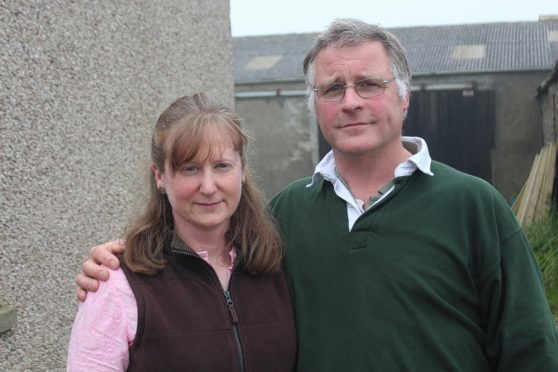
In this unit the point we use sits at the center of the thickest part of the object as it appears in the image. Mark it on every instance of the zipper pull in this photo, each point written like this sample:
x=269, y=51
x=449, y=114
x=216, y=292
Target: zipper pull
x=230, y=304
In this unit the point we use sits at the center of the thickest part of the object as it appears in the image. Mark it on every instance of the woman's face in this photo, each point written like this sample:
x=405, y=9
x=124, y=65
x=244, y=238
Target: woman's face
x=205, y=192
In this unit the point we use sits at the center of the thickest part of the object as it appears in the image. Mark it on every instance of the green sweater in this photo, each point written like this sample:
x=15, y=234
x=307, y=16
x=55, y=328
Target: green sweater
x=437, y=277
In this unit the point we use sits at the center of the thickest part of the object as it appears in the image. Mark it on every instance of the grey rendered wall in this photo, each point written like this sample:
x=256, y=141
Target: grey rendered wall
x=82, y=83
x=549, y=106
x=519, y=134
x=284, y=143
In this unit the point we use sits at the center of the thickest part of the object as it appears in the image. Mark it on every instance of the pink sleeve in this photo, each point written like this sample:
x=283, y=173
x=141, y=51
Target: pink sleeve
x=104, y=327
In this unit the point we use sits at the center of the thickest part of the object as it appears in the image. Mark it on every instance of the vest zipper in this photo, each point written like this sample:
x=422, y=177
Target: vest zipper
x=230, y=305
x=234, y=318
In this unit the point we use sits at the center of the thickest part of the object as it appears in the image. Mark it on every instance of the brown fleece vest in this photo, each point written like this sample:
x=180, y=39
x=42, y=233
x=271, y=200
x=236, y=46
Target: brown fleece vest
x=186, y=324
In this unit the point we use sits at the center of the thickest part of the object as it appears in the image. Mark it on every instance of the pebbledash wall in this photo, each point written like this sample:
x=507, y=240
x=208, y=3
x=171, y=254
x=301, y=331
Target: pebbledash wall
x=81, y=86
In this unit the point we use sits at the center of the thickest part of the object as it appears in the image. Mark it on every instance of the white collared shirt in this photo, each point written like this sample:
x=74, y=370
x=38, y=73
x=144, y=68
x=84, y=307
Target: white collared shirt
x=326, y=169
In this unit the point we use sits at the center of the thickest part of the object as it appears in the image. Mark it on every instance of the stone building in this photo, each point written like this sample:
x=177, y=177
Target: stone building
x=473, y=98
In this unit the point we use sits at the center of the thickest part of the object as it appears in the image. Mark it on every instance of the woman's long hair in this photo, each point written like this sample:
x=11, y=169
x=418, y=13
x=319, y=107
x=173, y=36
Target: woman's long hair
x=177, y=138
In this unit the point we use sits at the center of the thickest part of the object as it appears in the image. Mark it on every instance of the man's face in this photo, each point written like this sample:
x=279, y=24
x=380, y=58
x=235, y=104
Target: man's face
x=355, y=126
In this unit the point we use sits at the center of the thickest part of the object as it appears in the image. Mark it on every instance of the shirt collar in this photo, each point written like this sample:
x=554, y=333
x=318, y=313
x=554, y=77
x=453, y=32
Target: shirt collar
x=419, y=160
x=178, y=244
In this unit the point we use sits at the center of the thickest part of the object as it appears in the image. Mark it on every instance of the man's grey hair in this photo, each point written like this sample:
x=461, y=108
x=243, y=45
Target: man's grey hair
x=350, y=32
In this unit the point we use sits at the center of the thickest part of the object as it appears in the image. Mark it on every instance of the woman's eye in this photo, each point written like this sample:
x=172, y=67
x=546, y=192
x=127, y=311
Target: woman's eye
x=189, y=168
x=223, y=166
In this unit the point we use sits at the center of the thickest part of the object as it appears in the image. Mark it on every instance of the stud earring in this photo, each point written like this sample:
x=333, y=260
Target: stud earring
x=162, y=190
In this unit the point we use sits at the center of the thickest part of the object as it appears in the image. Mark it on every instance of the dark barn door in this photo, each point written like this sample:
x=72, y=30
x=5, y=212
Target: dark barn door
x=458, y=127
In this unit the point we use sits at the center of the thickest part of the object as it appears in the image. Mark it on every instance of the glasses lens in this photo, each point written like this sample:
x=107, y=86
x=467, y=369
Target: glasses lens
x=370, y=87
x=365, y=88
x=331, y=92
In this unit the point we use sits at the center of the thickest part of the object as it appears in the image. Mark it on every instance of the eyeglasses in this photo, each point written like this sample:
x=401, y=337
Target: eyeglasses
x=366, y=88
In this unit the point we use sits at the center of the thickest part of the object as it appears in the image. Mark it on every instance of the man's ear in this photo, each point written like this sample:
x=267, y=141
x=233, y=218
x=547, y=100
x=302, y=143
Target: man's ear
x=405, y=102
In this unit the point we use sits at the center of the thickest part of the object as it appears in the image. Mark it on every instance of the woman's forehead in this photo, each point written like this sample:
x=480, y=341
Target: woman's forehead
x=213, y=148
x=220, y=137
x=214, y=143
x=202, y=141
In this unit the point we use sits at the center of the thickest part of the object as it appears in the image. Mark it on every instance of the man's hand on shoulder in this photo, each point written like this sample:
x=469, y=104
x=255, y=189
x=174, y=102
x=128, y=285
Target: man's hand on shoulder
x=92, y=271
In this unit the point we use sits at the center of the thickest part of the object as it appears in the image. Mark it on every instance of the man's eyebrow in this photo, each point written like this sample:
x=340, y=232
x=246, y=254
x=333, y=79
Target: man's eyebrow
x=339, y=80
x=371, y=77
x=332, y=80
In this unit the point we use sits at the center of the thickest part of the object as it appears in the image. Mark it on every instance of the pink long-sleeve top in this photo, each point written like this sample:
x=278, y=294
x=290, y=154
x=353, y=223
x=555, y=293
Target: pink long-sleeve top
x=105, y=325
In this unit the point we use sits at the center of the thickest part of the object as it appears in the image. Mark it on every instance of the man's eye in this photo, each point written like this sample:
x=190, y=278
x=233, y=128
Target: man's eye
x=370, y=84
x=333, y=88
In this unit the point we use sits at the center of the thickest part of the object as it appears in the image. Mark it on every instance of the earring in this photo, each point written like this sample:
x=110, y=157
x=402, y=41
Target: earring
x=162, y=190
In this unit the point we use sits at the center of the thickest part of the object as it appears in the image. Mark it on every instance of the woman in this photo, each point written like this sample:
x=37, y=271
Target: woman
x=201, y=286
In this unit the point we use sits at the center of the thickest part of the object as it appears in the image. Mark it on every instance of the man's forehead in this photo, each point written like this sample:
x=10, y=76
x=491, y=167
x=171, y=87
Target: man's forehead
x=351, y=48
x=366, y=60
x=370, y=52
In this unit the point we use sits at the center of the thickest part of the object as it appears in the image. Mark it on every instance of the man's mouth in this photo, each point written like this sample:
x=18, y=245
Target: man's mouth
x=352, y=125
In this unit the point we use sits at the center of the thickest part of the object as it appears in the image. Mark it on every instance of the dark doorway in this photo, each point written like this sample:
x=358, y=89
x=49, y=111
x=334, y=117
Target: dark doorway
x=458, y=126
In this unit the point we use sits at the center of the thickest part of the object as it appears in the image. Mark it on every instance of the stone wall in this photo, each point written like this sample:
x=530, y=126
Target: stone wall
x=547, y=94
x=82, y=83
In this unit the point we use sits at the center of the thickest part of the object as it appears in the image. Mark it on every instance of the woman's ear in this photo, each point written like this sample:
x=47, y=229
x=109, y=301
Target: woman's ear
x=158, y=176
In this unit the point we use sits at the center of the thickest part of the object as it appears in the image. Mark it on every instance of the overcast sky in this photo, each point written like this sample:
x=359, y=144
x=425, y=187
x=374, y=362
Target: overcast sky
x=266, y=17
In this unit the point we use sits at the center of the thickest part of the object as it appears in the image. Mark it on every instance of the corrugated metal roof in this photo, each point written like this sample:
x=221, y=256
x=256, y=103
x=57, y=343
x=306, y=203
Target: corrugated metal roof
x=489, y=47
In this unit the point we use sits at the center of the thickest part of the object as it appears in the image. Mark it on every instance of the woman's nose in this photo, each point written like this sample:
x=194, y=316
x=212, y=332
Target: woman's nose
x=208, y=183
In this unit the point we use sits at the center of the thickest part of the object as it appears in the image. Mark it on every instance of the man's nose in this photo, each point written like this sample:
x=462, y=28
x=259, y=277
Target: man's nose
x=351, y=99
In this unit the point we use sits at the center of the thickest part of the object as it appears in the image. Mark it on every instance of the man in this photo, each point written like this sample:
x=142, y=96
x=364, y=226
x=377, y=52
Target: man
x=396, y=262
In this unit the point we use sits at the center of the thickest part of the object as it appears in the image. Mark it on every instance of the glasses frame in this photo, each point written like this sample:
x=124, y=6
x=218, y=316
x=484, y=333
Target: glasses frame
x=345, y=86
